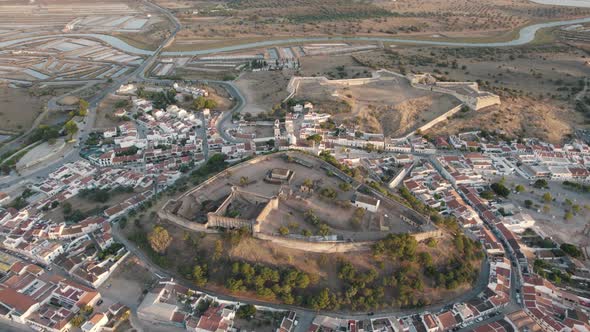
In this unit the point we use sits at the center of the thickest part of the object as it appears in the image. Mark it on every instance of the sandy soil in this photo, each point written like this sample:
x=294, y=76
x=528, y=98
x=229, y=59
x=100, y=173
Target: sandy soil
x=226, y=20
x=85, y=205
x=536, y=85
x=333, y=67
x=552, y=222
x=104, y=112
x=20, y=106
x=263, y=90
x=524, y=117
x=68, y=101
x=391, y=107
x=127, y=283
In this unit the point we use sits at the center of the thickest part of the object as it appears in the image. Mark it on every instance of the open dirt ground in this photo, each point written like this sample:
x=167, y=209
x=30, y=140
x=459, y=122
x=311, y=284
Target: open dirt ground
x=263, y=19
x=549, y=216
x=263, y=90
x=537, y=85
x=21, y=106
x=391, y=107
x=336, y=212
x=86, y=205
x=333, y=67
x=188, y=246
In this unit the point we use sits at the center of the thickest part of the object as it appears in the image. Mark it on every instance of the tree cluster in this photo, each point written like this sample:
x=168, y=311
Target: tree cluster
x=268, y=282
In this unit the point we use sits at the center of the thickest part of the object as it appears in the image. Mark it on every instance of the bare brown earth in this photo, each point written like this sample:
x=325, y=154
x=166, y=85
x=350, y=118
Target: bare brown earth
x=410, y=114
x=263, y=90
x=20, y=106
x=524, y=117
x=105, y=110
x=189, y=247
x=393, y=108
x=333, y=67
x=263, y=19
x=537, y=84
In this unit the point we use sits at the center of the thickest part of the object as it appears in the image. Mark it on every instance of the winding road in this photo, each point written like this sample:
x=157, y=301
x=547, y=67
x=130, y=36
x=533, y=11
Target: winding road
x=526, y=35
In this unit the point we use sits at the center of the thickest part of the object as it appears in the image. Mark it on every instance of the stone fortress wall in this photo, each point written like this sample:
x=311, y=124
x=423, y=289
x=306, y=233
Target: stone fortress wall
x=217, y=219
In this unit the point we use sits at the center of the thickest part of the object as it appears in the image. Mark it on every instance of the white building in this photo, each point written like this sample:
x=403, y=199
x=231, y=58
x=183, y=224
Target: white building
x=366, y=202
x=518, y=222
x=126, y=89
x=109, y=132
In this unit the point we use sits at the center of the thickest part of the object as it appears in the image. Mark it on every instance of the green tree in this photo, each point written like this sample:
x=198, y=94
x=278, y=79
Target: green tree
x=243, y=180
x=547, y=197
x=571, y=250
x=519, y=188
x=541, y=184
x=315, y=138
x=71, y=128
x=159, y=239
x=321, y=301
x=199, y=102
x=83, y=107
x=302, y=280
x=284, y=230
x=246, y=311
x=210, y=104
x=77, y=320
x=86, y=310
x=199, y=275
x=345, y=186
x=500, y=189
x=487, y=194
x=324, y=230
x=66, y=207
x=218, y=251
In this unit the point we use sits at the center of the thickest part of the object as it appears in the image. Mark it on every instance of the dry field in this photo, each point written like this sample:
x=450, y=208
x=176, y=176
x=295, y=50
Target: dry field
x=20, y=106
x=520, y=117
x=549, y=216
x=87, y=205
x=333, y=67
x=127, y=283
x=262, y=19
x=104, y=112
x=263, y=90
x=537, y=85
x=391, y=107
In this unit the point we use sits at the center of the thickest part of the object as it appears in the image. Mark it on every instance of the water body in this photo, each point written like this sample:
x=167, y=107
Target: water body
x=110, y=40
x=569, y=3
x=526, y=35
